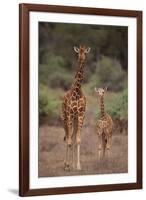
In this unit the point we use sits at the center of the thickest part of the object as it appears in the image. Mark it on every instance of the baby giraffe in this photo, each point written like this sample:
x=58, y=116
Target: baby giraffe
x=104, y=126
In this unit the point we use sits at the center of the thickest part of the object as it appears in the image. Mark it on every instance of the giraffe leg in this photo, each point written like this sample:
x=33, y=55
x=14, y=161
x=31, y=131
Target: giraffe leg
x=104, y=147
x=78, y=157
x=73, y=151
x=63, y=118
x=78, y=140
x=65, y=129
x=67, y=159
x=73, y=155
x=108, y=146
x=69, y=143
x=73, y=143
x=66, y=163
x=99, y=145
x=64, y=121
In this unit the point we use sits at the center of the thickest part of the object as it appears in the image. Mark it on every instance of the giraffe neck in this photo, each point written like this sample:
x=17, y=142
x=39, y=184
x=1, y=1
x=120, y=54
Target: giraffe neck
x=78, y=77
x=102, y=111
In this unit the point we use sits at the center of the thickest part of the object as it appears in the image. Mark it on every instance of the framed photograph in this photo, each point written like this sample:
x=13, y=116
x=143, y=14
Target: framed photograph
x=80, y=99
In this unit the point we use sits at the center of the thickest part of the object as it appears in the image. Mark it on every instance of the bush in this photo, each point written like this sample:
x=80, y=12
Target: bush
x=89, y=87
x=43, y=103
x=53, y=65
x=48, y=105
x=60, y=80
x=118, y=106
x=54, y=73
x=110, y=73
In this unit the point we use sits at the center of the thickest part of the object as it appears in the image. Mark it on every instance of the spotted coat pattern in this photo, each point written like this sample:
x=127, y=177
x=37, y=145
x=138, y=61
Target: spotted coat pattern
x=104, y=126
x=73, y=108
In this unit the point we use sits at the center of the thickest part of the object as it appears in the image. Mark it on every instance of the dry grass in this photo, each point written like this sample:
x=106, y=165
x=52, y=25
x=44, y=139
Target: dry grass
x=52, y=152
x=52, y=148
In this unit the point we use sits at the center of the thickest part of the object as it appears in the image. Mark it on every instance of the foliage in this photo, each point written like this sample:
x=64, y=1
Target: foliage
x=53, y=73
x=53, y=64
x=110, y=73
x=48, y=104
x=62, y=80
x=106, y=65
x=59, y=39
x=118, y=106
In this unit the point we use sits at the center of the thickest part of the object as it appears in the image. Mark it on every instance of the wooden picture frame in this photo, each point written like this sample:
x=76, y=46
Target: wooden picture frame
x=24, y=123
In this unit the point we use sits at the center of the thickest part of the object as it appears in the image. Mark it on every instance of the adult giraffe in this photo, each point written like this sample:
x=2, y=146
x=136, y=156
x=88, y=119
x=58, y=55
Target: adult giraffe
x=73, y=111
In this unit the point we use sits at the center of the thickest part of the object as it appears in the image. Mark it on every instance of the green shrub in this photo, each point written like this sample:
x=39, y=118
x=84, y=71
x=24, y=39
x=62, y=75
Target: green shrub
x=53, y=74
x=53, y=65
x=60, y=80
x=48, y=105
x=89, y=87
x=110, y=73
x=43, y=103
x=118, y=106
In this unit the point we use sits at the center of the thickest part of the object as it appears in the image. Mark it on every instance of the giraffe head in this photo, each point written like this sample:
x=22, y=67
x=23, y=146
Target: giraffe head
x=100, y=91
x=82, y=52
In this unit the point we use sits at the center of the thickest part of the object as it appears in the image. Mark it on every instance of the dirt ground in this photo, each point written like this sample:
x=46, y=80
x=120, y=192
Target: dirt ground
x=52, y=152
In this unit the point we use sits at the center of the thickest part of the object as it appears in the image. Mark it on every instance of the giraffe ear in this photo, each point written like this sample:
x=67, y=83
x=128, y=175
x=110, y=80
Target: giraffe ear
x=87, y=50
x=76, y=49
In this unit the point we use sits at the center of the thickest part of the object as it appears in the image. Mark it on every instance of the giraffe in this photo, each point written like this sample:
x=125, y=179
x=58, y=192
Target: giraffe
x=104, y=126
x=73, y=112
